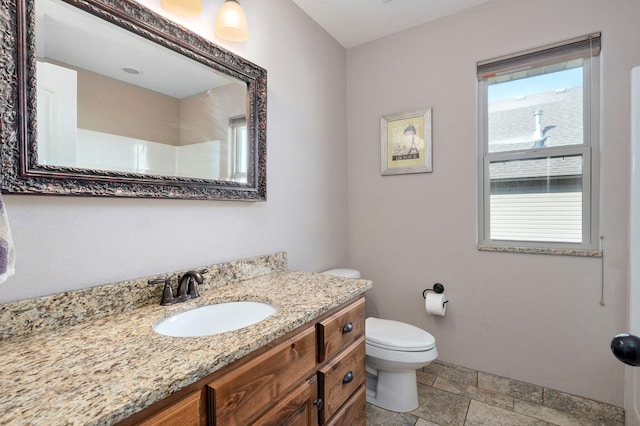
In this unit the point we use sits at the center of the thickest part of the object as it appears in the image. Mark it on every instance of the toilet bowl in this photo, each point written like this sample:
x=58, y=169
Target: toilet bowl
x=394, y=351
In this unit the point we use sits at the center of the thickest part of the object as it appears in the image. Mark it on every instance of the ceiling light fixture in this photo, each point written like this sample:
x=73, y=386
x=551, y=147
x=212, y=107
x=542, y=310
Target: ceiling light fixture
x=183, y=7
x=231, y=23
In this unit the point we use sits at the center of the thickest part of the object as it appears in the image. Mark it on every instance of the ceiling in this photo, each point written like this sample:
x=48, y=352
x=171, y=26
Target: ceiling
x=68, y=35
x=354, y=22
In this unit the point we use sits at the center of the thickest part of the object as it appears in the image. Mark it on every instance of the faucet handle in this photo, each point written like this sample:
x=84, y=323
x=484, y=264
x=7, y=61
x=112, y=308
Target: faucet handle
x=167, y=295
x=167, y=292
x=196, y=275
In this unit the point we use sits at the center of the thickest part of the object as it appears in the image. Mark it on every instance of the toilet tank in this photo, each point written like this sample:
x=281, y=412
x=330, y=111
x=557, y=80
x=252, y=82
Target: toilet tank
x=343, y=272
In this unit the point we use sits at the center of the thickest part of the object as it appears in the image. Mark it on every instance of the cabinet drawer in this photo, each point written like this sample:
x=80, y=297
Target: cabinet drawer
x=341, y=377
x=239, y=396
x=353, y=412
x=340, y=329
x=185, y=412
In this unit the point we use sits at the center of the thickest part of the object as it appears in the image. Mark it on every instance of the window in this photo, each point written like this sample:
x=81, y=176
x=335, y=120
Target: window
x=239, y=148
x=538, y=129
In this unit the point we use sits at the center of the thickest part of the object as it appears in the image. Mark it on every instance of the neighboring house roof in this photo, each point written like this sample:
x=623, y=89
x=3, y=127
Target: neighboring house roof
x=512, y=126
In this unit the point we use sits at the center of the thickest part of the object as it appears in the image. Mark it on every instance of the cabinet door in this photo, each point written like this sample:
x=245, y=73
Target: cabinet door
x=185, y=412
x=243, y=394
x=341, y=377
x=296, y=409
x=340, y=329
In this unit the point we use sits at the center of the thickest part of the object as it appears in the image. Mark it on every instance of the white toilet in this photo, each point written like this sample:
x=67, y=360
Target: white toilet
x=395, y=351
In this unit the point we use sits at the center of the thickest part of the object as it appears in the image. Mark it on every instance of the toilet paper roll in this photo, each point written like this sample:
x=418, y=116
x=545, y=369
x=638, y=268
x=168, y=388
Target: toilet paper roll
x=435, y=304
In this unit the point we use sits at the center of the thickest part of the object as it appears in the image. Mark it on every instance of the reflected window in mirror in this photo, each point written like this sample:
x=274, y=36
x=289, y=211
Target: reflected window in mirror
x=238, y=139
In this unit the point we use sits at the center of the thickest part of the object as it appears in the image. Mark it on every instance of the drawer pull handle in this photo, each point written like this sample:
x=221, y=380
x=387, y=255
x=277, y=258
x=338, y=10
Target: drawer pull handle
x=348, y=328
x=318, y=403
x=347, y=377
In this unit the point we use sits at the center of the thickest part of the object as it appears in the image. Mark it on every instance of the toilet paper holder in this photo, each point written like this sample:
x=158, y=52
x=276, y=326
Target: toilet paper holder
x=437, y=288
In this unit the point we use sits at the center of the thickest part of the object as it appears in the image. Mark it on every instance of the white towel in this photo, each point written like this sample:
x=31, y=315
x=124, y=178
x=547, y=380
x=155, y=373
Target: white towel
x=7, y=252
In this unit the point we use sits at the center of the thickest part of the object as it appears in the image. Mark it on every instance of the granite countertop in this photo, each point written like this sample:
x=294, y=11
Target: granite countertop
x=102, y=371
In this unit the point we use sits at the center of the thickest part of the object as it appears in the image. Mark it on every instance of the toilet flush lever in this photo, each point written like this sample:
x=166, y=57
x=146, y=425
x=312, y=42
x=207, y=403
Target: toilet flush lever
x=348, y=328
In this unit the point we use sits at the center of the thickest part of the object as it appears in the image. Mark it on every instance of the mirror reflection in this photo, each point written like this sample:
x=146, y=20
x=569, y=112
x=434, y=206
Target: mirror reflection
x=108, y=99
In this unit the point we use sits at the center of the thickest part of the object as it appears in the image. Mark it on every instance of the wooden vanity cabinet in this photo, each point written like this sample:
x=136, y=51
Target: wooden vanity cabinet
x=314, y=375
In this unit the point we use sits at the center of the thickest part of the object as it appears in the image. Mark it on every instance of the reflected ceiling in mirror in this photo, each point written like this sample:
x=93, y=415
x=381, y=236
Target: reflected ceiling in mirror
x=111, y=99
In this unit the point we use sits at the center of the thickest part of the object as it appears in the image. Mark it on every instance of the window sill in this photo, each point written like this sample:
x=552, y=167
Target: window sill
x=538, y=250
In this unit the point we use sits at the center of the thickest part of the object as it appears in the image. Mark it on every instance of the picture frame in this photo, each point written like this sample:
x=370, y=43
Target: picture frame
x=406, y=145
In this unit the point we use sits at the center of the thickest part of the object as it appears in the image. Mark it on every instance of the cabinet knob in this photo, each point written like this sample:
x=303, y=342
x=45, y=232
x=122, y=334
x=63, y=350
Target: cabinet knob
x=318, y=403
x=348, y=327
x=347, y=377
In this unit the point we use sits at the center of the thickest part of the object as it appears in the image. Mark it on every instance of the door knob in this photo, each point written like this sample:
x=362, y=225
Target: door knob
x=626, y=347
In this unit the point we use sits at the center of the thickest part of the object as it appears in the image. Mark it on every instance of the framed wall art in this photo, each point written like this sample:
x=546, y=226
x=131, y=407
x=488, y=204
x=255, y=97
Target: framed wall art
x=406, y=143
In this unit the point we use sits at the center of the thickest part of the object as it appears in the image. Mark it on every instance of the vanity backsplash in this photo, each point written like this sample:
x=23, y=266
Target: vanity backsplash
x=26, y=317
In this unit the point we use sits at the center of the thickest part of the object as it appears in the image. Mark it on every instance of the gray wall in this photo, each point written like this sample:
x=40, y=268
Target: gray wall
x=535, y=318
x=65, y=243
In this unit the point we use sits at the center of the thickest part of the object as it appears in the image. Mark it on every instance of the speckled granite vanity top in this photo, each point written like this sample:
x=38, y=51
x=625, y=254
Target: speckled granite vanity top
x=102, y=371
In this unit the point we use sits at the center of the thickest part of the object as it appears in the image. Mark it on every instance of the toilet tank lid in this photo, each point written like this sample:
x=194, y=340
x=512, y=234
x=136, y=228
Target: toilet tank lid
x=343, y=272
x=399, y=336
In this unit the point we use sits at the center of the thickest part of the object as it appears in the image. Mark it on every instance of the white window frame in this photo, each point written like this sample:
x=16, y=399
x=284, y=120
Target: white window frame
x=239, y=146
x=588, y=48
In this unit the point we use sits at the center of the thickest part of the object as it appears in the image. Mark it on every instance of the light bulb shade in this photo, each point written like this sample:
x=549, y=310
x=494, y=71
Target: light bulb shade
x=231, y=24
x=183, y=7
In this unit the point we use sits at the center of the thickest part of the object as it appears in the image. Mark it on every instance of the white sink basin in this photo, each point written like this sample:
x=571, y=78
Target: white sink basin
x=214, y=319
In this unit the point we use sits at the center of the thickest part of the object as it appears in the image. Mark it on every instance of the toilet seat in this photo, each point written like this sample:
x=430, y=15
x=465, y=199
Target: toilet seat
x=397, y=336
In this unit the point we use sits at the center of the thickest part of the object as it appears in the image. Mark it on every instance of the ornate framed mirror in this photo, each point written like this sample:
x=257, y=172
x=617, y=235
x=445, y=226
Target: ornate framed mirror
x=107, y=98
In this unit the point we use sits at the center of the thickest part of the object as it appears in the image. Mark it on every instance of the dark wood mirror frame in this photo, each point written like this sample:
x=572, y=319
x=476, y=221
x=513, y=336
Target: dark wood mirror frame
x=21, y=172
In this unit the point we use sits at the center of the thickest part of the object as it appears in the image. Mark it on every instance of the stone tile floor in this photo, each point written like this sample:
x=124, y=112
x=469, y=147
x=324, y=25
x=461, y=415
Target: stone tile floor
x=453, y=395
